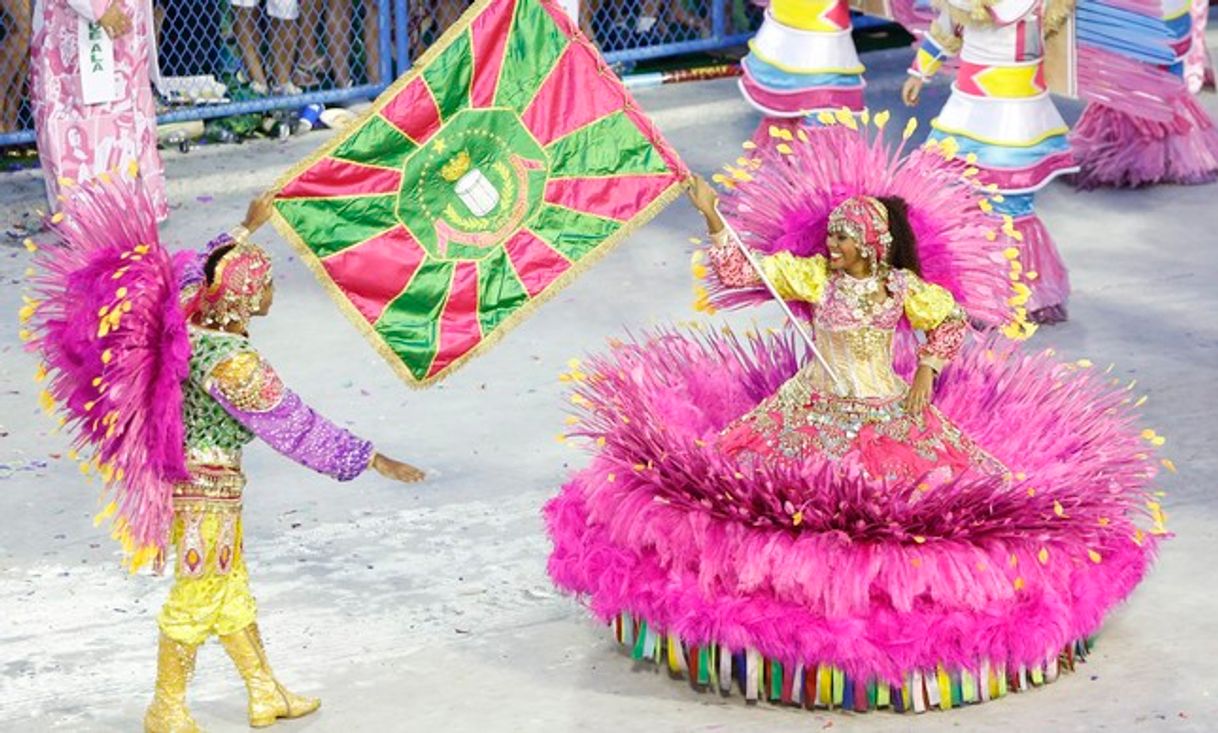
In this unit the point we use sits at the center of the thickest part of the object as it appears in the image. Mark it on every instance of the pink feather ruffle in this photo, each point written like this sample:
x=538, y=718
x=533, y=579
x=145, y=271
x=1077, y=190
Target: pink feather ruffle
x=1120, y=150
x=809, y=565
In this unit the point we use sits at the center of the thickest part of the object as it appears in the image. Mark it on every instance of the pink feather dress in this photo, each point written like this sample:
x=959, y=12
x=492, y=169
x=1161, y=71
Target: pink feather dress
x=744, y=526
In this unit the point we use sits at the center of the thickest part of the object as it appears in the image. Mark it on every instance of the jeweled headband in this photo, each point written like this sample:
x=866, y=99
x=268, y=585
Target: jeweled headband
x=235, y=292
x=865, y=220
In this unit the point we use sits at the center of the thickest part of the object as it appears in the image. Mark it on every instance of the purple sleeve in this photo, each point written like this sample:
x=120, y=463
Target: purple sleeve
x=249, y=390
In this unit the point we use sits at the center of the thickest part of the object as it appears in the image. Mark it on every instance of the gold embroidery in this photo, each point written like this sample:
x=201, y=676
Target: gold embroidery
x=248, y=382
x=209, y=491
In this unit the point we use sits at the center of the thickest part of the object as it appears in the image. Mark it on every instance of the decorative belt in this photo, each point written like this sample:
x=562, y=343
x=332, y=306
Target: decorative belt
x=210, y=488
x=1002, y=82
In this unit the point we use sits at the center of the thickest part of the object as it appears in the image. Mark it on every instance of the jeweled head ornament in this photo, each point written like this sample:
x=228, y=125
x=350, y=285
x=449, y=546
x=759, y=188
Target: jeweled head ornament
x=237, y=285
x=865, y=220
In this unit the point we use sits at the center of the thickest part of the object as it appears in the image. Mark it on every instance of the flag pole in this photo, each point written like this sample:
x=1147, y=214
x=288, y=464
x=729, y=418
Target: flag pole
x=842, y=390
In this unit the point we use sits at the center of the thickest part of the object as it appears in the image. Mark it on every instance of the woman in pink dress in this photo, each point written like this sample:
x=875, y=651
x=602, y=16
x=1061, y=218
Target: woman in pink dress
x=96, y=116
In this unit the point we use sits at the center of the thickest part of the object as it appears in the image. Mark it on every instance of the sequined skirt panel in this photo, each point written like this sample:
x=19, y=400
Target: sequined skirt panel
x=210, y=594
x=875, y=433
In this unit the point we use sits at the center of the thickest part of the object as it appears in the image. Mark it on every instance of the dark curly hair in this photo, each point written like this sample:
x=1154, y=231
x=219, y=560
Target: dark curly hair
x=213, y=261
x=903, y=252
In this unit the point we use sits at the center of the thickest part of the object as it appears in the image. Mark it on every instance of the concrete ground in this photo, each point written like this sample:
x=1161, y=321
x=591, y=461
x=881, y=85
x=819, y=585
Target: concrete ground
x=427, y=608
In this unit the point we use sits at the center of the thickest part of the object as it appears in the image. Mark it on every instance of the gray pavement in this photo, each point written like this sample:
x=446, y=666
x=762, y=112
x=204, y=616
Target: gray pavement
x=427, y=607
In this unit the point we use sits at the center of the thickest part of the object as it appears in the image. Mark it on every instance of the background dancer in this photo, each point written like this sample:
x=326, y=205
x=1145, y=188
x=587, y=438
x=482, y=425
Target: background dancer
x=1001, y=113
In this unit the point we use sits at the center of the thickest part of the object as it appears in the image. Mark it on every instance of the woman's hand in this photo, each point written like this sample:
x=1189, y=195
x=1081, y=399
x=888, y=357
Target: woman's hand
x=702, y=195
x=705, y=200
x=114, y=21
x=920, y=391
x=911, y=92
x=259, y=211
x=396, y=470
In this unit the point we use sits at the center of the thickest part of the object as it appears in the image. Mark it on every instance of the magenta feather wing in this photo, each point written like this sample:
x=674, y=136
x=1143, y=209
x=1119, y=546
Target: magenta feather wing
x=105, y=318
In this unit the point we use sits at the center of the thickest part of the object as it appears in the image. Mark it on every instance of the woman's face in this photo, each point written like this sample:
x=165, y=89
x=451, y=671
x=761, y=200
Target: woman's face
x=844, y=252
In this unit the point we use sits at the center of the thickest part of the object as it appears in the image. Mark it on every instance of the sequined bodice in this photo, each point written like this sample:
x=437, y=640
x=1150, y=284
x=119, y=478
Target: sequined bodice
x=213, y=437
x=855, y=337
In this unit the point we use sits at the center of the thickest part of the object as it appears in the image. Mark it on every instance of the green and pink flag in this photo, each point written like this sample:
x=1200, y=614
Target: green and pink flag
x=479, y=184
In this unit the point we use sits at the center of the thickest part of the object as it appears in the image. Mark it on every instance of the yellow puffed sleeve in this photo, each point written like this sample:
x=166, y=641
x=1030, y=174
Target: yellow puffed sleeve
x=928, y=305
x=797, y=278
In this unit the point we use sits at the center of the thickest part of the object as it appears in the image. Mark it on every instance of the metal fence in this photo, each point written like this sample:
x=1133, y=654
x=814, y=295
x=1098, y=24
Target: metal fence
x=229, y=58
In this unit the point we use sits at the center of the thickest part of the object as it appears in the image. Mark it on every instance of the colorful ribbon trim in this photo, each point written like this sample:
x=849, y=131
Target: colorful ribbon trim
x=822, y=686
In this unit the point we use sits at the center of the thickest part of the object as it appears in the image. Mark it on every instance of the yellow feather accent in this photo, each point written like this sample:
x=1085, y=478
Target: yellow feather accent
x=950, y=147
x=846, y=117
x=780, y=133
x=106, y=512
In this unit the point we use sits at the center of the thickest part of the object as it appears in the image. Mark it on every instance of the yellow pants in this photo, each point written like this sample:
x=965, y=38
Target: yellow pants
x=211, y=593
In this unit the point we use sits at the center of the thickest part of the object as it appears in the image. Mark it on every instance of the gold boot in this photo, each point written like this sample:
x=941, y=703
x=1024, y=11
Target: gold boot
x=175, y=663
x=269, y=700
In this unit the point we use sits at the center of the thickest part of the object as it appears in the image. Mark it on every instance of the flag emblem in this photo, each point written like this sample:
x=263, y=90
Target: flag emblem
x=479, y=184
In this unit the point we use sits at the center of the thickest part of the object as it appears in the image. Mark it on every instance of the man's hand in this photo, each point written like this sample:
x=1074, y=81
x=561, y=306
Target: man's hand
x=396, y=470
x=259, y=211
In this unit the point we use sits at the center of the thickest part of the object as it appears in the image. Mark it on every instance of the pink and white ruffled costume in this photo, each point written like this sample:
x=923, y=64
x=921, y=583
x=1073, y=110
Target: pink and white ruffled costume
x=79, y=141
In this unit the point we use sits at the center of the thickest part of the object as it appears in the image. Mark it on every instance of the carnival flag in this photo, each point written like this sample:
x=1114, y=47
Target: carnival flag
x=478, y=185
